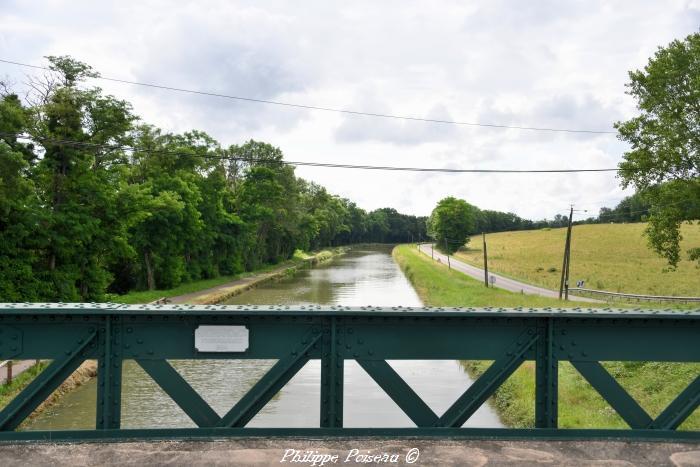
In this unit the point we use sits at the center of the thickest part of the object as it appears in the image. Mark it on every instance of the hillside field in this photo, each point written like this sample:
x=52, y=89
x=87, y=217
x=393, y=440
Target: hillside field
x=612, y=257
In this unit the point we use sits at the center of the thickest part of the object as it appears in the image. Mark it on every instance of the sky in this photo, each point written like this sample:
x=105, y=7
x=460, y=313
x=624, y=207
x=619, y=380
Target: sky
x=559, y=64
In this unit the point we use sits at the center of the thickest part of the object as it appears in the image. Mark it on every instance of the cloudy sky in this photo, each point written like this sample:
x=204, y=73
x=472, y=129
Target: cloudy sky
x=546, y=63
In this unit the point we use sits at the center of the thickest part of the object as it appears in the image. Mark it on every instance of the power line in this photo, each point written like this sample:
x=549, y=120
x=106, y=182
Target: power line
x=328, y=109
x=301, y=163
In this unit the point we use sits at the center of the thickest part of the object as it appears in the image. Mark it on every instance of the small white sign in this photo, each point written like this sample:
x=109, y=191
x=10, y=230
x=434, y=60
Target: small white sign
x=221, y=338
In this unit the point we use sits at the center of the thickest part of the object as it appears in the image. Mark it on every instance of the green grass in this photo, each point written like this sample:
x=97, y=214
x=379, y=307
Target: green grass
x=8, y=392
x=147, y=296
x=438, y=286
x=612, y=257
x=652, y=384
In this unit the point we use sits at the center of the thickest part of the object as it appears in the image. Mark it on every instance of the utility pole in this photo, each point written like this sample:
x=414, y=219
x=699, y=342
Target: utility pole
x=432, y=256
x=564, y=284
x=447, y=252
x=486, y=262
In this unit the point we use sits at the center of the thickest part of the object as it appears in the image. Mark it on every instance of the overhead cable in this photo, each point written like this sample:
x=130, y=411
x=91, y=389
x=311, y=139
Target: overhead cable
x=330, y=109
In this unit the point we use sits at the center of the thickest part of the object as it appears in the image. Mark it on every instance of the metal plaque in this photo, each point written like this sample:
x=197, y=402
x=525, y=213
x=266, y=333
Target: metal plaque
x=221, y=338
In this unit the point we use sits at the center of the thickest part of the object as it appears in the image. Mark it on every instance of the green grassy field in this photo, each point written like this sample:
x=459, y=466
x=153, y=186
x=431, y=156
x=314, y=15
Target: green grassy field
x=612, y=257
x=652, y=384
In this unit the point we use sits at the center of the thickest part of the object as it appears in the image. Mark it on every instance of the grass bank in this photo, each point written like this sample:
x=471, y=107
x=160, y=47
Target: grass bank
x=244, y=279
x=9, y=391
x=652, y=384
x=438, y=286
x=612, y=257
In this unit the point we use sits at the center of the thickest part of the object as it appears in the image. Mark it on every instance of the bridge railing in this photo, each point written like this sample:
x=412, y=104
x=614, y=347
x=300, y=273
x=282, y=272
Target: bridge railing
x=629, y=297
x=69, y=334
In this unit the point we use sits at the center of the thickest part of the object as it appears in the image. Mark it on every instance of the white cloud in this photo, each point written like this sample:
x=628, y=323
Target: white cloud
x=543, y=64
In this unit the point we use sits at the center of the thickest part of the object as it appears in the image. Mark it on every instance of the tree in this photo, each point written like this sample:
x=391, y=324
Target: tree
x=664, y=160
x=20, y=212
x=451, y=223
x=77, y=181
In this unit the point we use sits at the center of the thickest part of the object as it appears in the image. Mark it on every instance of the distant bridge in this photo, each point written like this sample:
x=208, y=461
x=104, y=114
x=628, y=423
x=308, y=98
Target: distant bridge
x=68, y=334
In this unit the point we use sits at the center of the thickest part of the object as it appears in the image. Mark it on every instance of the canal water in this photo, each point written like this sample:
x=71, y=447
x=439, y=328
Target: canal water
x=364, y=276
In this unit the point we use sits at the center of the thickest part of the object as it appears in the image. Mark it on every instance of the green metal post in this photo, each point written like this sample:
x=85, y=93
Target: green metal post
x=546, y=375
x=109, y=375
x=332, y=376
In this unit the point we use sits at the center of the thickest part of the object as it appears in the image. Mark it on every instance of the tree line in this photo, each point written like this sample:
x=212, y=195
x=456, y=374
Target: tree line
x=95, y=201
x=454, y=220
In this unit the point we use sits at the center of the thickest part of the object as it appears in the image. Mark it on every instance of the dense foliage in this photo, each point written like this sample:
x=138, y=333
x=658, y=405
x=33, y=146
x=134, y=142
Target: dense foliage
x=101, y=202
x=451, y=223
x=664, y=159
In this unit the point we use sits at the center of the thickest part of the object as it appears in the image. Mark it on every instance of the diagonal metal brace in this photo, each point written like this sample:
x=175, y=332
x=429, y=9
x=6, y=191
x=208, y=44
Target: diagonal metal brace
x=680, y=409
x=265, y=389
x=619, y=399
x=400, y=392
x=487, y=383
x=43, y=385
x=180, y=392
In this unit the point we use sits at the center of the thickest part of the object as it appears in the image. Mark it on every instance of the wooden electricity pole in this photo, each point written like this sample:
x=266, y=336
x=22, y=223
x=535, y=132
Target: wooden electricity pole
x=486, y=262
x=564, y=284
x=447, y=252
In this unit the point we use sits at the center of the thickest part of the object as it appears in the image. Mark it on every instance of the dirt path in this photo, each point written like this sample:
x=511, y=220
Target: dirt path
x=230, y=289
x=220, y=293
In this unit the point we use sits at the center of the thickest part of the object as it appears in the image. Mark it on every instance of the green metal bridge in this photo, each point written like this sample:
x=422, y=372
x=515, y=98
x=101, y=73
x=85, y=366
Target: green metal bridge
x=69, y=334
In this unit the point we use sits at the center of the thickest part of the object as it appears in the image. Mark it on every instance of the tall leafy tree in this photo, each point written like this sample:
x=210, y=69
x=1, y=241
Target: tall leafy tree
x=451, y=223
x=77, y=179
x=20, y=213
x=664, y=159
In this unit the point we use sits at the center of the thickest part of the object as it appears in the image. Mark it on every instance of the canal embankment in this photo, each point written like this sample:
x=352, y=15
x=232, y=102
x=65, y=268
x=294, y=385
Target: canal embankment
x=215, y=290
x=652, y=384
x=223, y=292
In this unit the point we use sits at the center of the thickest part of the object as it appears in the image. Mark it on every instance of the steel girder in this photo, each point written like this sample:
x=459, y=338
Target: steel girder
x=68, y=334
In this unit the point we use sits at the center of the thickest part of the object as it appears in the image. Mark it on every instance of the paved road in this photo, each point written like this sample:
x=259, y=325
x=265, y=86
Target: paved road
x=501, y=282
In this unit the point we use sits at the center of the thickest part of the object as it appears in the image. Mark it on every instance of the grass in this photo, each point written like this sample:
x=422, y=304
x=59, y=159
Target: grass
x=611, y=257
x=147, y=296
x=438, y=286
x=9, y=391
x=652, y=384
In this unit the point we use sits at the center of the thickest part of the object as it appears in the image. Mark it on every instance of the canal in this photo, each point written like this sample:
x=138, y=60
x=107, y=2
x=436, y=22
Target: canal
x=364, y=276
